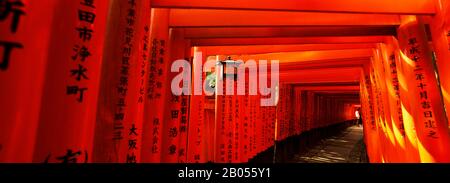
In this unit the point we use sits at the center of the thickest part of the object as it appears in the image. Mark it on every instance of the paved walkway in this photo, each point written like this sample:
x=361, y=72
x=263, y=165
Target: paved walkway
x=346, y=147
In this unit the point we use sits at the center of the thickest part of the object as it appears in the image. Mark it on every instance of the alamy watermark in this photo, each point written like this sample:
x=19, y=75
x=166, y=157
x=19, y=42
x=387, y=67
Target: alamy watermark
x=232, y=73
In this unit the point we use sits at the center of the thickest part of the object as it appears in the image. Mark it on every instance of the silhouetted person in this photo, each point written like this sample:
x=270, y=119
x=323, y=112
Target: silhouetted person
x=357, y=116
x=360, y=118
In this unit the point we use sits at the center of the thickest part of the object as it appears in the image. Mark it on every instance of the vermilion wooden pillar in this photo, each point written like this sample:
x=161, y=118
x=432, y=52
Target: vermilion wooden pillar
x=221, y=107
x=236, y=125
x=252, y=125
x=283, y=112
x=386, y=121
x=280, y=115
x=412, y=153
x=380, y=117
x=258, y=126
x=70, y=91
x=394, y=103
x=244, y=124
x=365, y=111
x=198, y=132
x=176, y=112
x=23, y=60
x=155, y=103
x=143, y=78
x=118, y=130
x=297, y=110
x=185, y=108
x=309, y=110
x=370, y=122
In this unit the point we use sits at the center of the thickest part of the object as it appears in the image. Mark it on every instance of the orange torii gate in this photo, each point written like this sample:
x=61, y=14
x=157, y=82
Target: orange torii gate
x=242, y=18
x=262, y=49
x=286, y=40
x=347, y=6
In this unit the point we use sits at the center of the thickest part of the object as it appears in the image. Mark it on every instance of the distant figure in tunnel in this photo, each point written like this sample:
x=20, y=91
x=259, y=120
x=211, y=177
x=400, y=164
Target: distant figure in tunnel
x=358, y=117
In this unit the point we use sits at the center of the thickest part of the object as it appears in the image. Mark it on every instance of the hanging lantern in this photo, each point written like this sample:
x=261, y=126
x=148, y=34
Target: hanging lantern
x=228, y=68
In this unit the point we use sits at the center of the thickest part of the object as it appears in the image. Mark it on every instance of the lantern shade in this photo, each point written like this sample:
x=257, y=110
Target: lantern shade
x=228, y=68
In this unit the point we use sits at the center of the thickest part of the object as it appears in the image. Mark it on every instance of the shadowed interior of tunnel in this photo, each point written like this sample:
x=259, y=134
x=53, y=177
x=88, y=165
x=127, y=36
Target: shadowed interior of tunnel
x=339, y=143
x=331, y=135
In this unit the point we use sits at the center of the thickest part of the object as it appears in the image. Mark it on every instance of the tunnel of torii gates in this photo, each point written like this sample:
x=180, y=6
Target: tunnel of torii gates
x=89, y=81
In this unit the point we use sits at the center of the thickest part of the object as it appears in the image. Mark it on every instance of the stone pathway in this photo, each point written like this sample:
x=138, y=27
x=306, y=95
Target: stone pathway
x=346, y=147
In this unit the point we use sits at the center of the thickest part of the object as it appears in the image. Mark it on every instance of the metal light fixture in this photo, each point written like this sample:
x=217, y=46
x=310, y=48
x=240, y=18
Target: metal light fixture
x=228, y=68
